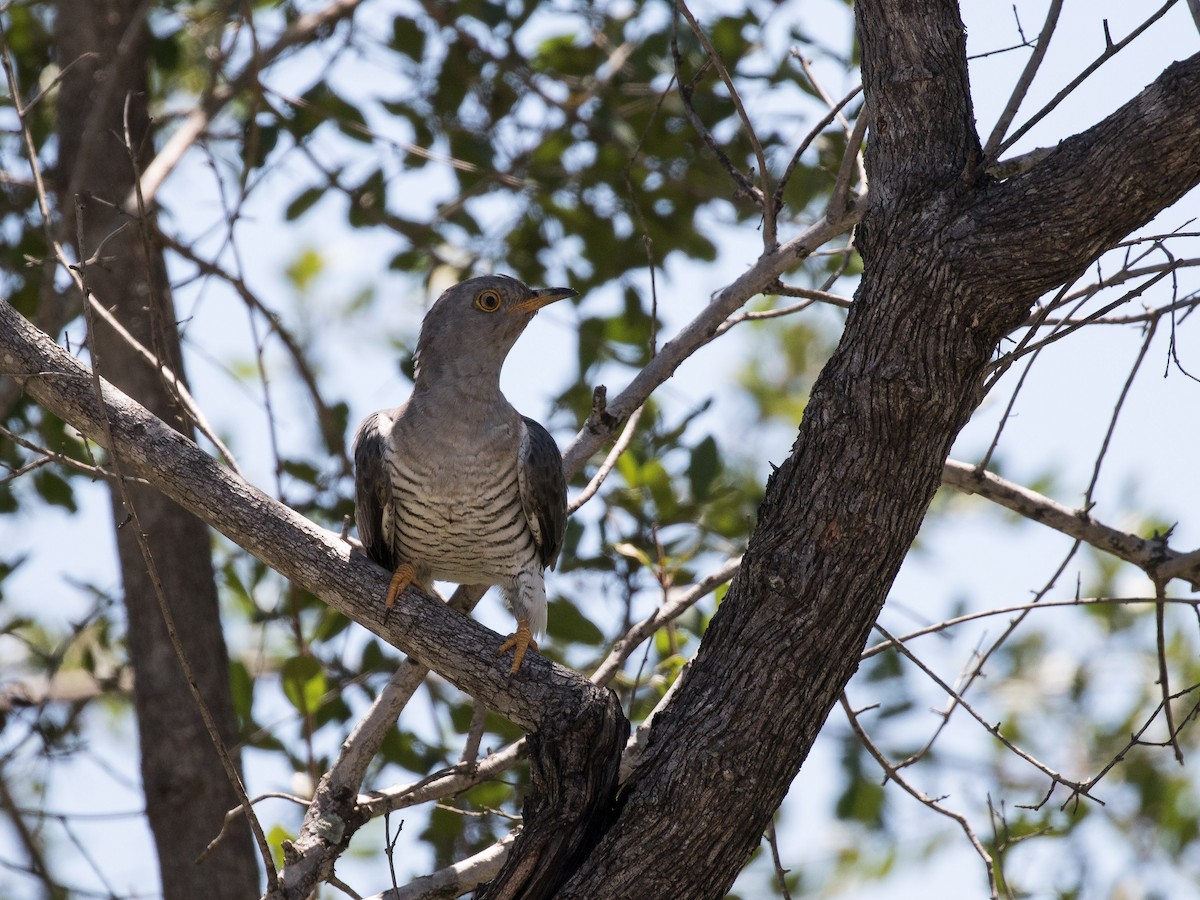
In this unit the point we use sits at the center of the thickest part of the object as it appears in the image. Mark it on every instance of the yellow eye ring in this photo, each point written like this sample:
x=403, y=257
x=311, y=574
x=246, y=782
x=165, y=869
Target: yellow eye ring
x=487, y=301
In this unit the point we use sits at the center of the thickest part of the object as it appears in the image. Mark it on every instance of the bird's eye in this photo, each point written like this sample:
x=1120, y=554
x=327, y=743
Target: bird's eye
x=488, y=301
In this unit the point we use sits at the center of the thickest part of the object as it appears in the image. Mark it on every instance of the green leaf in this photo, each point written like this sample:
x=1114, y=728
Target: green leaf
x=303, y=681
x=568, y=624
x=303, y=203
x=408, y=38
x=242, y=691
x=704, y=468
x=54, y=489
x=304, y=269
x=275, y=838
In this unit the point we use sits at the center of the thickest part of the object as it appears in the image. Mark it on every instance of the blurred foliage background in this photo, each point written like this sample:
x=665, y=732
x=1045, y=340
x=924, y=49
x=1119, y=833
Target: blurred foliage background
x=558, y=142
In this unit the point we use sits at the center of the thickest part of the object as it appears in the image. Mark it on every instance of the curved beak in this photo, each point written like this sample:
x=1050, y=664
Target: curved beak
x=543, y=297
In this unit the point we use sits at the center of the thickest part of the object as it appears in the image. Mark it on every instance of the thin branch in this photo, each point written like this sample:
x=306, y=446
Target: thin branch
x=457, y=879
x=333, y=806
x=1110, y=50
x=1187, y=303
x=839, y=204
x=757, y=279
x=780, y=872
x=992, y=148
x=891, y=774
x=303, y=29
x=636, y=746
x=1164, y=678
x=1148, y=554
x=444, y=783
x=812, y=135
x=327, y=421
x=177, y=385
x=947, y=624
x=1076, y=324
x=675, y=607
x=847, y=128
x=34, y=849
x=811, y=295
x=744, y=184
x=993, y=730
x=1135, y=740
x=1116, y=414
x=769, y=233
x=48, y=457
x=152, y=566
x=619, y=446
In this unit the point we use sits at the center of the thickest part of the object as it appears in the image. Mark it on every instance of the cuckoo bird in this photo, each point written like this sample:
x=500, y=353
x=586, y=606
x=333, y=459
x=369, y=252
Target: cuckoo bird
x=456, y=485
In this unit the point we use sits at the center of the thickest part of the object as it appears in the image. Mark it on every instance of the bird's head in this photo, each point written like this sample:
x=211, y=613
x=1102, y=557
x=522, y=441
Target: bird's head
x=471, y=327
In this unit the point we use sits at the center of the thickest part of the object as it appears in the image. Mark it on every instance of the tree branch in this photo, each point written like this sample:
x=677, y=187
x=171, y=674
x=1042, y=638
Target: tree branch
x=1103, y=168
x=302, y=30
x=1151, y=555
x=577, y=728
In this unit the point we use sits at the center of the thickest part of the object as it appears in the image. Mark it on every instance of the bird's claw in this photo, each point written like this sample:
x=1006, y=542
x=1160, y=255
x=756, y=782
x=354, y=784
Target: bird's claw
x=401, y=579
x=522, y=640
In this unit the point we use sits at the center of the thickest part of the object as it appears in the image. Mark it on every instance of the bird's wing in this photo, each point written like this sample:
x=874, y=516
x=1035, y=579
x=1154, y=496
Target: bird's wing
x=371, y=487
x=543, y=490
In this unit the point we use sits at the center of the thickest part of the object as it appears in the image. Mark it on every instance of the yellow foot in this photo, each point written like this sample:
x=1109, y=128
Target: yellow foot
x=401, y=579
x=523, y=640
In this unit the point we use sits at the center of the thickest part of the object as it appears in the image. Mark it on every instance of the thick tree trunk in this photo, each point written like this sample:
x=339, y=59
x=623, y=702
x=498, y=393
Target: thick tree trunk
x=952, y=261
x=187, y=792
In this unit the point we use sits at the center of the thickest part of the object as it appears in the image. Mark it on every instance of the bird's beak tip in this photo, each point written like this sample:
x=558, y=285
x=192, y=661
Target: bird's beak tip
x=544, y=297
x=549, y=295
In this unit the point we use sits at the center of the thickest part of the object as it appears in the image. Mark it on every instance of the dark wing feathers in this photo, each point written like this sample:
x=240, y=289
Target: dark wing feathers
x=370, y=489
x=543, y=490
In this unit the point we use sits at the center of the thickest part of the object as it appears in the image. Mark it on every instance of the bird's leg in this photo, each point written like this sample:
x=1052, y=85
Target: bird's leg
x=522, y=639
x=404, y=575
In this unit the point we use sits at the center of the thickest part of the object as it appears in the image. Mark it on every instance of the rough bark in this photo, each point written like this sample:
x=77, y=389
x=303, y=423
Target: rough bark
x=952, y=261
x=187, y=792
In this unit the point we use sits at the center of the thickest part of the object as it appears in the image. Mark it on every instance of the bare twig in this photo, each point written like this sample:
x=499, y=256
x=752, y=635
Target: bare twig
x=764, y=176
x=152, y=571
x=1164, y=675
x=1135, y=740
x=49, y=456
x=457, y=879
x=327, y=421
x=992, y=148
x=811, y=296
x=177, y=385
x=947, y=624
x=703, y=328
x=303, y=29
x=839, y=205
x=834, y=113
x=1110, y=50
x=444, y=783
x=891, y=774
x=1149, y=555
x=29, y=840
x=744, y=184
x=610, y=461
x=676, y=606
x=1116, y=413
x=780, y=872
x=993, y=730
